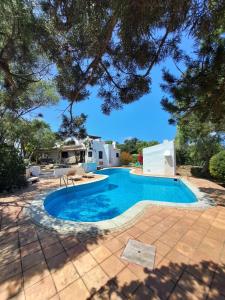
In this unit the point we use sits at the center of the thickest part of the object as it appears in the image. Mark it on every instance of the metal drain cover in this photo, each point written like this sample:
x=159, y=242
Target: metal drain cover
x=139, y=253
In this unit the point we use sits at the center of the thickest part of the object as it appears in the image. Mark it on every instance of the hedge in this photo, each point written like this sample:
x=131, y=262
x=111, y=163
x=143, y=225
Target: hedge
x=12, y=169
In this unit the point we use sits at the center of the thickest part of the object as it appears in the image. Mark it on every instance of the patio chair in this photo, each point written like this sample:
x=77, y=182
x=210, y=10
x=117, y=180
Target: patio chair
x=80, y=171
x=72, y=175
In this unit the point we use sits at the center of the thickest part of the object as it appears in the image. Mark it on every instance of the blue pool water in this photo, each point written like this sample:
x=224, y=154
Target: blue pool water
x=109, y=198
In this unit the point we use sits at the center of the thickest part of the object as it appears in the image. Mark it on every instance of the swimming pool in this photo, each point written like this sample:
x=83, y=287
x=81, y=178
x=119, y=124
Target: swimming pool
x=108, y=198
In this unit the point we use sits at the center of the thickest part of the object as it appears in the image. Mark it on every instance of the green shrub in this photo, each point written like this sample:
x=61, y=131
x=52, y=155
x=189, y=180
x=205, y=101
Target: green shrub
x=134, y=158
x=12, y=169
x=125, y=158
x=198, y=171
x=217, y=165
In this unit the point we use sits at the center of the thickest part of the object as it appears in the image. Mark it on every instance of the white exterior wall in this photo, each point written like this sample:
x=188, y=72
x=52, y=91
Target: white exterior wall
x=160, y=159
x=115, y=161
x=109, y=154
x=96, y=146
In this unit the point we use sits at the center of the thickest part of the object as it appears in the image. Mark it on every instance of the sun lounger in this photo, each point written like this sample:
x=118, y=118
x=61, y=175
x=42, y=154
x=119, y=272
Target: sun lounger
x=73, y=176
x=80, y=171
x=33, y=179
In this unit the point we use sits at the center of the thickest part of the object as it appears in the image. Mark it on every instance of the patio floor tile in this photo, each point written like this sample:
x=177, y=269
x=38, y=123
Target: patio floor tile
x=154, y=233
x=134, y=231
x=112, y=266
x=42, y=290
x=204, y=271
x=69, y=242
x=53, y=250
x=179, y=294
x=124, y=237
x=119, y=253
x=95, y=279
x=28, y=238
x=161, y=248
x=30, y=248
x=190, y=283
x=92, y=244
x=55, y=297
x=9, y=270
x=146, y=238
x=100, y=253
x=8, y=256
x=48, y=241
x=76, y=252
x=35, y=274
x=214, y=295
x=158, y=259
x=177, y=257
x=142, y=226
x=127, y=282
x=185, y=249
x=192, y=238
x=33, y=259
x=12, y=245
x=160, y=287
x=170, y=269
x=57, y=261
x=84, y=263
x=114, y=245
x=218, y=282
x=76, y=290
x=141, y=272
x=143, y=293
x=64, y=276
x=11, y=287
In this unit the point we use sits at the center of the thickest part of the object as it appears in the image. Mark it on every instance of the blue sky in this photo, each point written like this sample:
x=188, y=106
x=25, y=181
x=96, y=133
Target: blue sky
x=144, y=119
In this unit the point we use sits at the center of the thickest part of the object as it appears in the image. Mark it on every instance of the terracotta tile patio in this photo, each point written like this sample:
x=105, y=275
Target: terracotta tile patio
x=190, y=257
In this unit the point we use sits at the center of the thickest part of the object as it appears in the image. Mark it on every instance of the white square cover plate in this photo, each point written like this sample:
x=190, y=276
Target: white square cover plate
x=139, y=253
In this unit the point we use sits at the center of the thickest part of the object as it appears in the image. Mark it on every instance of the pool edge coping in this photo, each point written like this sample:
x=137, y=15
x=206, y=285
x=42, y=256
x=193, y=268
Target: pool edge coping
x=41, y=217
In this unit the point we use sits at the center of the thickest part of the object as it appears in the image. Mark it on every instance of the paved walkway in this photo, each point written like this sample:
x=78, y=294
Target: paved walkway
x=190, y=259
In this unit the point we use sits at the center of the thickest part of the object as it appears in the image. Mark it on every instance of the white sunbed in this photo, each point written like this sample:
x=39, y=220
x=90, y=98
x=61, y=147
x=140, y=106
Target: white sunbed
x=80, y=171
x=73, y=176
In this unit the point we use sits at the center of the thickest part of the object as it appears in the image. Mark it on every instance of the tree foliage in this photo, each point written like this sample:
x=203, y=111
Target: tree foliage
x=196, y=143
x=217, y=165
x=110, y=44
x=135, y=146
x=28, y=136
x=200, y=90
x=12, y=168
x=73, y=127
x=22, y=61
x=113, y=45
x=36, y=95
x=109, y=142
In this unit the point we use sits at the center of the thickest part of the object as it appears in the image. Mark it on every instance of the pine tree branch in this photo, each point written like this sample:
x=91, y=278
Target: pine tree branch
x=156, y=56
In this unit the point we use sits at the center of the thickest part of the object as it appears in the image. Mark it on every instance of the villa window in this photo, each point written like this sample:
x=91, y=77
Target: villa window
x=89, y=153
x=100, y=154
x=65, y=155
x=117, y=155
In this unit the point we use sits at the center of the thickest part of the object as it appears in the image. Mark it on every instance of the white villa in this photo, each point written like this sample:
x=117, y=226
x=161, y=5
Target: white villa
x=90, y=150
